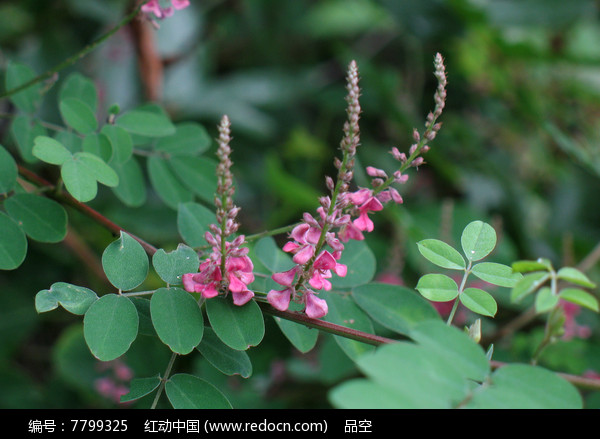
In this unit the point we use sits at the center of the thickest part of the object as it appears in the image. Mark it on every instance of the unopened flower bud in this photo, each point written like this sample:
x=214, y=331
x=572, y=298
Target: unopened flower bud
x=416, y=135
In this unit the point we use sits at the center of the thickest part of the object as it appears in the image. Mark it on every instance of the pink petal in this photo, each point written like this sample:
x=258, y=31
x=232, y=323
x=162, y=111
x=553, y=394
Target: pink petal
x=373, y=205
x=242, y=297
x=188, y=282
x=304, y=255
x=341, y=270
x=280, y=299
x=285, y=278
x=236, y=285
x=315, y=307
x=360, y=197
x=290, y=247
x=325, y=261
x=210, y=291
x=299, y=233
x=180, y=4
x=243, y=263
x=350, y=231
x=152, y=7
x=313, y=235
x=363, y=222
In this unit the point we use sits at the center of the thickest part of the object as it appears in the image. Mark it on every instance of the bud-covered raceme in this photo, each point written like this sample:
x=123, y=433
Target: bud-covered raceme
x=228, y=267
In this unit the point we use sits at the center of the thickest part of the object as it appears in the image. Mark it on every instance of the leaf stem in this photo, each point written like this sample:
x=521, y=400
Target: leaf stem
x=163, y=380
x=460, y=290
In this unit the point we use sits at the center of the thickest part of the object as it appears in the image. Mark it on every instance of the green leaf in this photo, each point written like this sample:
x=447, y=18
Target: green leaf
x=28, y=99
x=518, y=386
x=97, y=144
x=145, y=318
x=396, y=307
x=50, y=150
x=146, y=123
x=120, y=141
x=343, y=311
x=42, y=219
x=78, y=86
x=453, y=348
x=441, y=254
x=166, y=184
x=360, y=393
x=78, y=115
x=272, y=257
x=193, y=221
x=478, y=240
x=437, y=371
x=580, y=297
x=437, y=287
x=189, y=392
x=13, y=243
x=140, y=387
x=545, y=300
x=110, y=325
x=197, y=174
x=131, y=189
x=78, y=181
x=69, y=140
x=575, y=276
x=479, y=301
x=229, y=361
x=177, y=319
x=239, y=327
x=8, y=171
x=171, y=266
x=24, y=129
x=125, y=263
x=45, y=301
x=431, y=385
x=300, y=336
x=190, y=139
x=528, y=285
x=496, y=274
x=97, y=168
x=529, y=266
x=361, y=263
x=73, y=298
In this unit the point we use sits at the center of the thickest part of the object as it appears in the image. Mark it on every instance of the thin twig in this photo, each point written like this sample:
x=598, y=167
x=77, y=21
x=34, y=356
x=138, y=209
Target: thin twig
x=73, y=59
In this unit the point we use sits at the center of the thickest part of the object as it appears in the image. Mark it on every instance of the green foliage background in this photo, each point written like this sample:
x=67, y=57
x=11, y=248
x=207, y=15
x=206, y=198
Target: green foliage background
x=519, y=149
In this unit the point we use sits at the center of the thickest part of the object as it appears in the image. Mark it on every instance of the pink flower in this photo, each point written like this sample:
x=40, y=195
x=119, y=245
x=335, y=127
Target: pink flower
x=280, y=299
x=366, y=203
x=315, y=307
x=571, y=327
x=350, y=231
x=206, y=281
x=286, y=278
x=154, y=7
x=239, y=275
x=322, y=271
x=180, y=4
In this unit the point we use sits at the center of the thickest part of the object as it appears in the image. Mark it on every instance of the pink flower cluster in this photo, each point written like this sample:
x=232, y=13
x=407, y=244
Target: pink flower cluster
x=228, y=265
x=238, y=272
x=113, y=386
x=571, y=327
x=154, y=7
x=305, y=239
